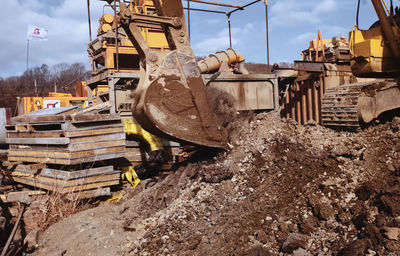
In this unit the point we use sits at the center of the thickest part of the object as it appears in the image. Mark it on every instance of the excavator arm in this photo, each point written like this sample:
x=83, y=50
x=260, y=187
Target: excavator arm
x=170, y=100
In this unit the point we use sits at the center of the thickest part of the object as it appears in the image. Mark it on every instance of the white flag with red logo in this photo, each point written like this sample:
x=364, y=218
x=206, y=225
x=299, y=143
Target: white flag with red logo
x=36, y=33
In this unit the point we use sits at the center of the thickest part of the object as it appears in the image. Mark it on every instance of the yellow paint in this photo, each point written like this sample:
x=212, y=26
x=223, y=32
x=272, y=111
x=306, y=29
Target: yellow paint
x=155, y=39
x=132, y=128
x=129, y=174
x=108, y=18
x=369, y=48
x=115, y=199
x=29, y=104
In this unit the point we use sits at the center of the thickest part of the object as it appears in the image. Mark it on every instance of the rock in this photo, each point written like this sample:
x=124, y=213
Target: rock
x=356, y=248
x=309, y=225
x=321, y=210
x=293, y=242
x=344, y=217
x=194, y=242
x=392, y=233
x=301, y=252
x=306, y=228
x=380, y=220
x=392, y=203
x=262, y=237
x=284, y=227
x=259, y=251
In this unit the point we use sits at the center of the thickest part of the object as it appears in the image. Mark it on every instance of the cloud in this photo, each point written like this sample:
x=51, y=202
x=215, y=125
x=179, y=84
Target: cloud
x=327, y=32
x=303, y=38
x=220, y=41
x=66, y=22
x=293, y=12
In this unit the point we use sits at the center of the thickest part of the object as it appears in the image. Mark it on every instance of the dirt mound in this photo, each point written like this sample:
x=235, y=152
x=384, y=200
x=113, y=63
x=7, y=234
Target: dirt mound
x=283, y=188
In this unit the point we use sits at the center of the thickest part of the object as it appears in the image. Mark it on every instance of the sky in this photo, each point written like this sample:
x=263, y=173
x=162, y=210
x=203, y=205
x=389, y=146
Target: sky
x=292, y=24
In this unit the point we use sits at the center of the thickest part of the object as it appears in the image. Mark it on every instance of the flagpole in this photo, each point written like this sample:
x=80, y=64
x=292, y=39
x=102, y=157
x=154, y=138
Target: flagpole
x=27, y=54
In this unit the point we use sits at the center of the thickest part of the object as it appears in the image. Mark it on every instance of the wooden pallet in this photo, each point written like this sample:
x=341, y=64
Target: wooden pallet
x=65, y=181
x=65, y=139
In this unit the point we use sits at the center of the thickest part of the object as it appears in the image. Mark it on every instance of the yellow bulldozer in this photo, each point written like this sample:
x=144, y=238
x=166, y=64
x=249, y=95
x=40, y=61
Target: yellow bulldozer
x=346, y=84
x=375, y=53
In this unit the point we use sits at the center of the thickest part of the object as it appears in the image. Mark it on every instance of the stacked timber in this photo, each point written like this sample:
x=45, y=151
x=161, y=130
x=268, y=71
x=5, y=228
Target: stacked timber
x=65, y=152
x=65, y=139
x=62, y=181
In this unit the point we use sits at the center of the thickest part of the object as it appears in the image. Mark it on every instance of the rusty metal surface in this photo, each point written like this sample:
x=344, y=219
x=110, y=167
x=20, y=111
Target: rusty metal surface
x=378, y=98
x=350, y=106
x=303, y=97
x=175, y=103
x=250, y=92
x=339, y=106
x=308, y=66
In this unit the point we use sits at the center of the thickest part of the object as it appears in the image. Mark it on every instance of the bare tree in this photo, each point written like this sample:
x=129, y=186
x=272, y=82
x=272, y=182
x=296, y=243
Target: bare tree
x=63, y=75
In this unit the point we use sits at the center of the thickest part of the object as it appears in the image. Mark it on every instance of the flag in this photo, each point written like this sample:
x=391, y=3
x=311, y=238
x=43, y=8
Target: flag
x=36, y=33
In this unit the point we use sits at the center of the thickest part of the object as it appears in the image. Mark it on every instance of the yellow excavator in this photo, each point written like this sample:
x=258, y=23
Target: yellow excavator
x=142, y=57
x=170, y=100
x=375, y=53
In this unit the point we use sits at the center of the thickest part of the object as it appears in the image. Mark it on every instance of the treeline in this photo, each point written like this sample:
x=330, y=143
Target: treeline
x=61, y=77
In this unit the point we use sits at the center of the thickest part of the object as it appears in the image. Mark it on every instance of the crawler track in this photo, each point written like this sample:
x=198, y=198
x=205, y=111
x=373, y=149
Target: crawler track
x=339, y=107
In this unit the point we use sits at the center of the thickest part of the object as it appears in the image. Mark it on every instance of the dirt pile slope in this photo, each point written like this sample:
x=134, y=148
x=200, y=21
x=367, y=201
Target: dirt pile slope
x=282, y=188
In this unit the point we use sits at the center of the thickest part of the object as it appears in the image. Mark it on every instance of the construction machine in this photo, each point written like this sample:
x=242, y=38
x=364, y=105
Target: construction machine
x=170, y=99
x=346, y=84
x=375, y=53
x=153, y=80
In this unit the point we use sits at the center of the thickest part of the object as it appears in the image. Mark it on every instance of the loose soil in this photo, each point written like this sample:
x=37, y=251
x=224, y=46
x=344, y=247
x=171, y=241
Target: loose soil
x=282, y=189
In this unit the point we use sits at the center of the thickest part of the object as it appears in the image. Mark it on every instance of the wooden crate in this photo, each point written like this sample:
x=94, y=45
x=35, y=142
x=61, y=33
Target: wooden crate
x=65, y=181
x=66, y=139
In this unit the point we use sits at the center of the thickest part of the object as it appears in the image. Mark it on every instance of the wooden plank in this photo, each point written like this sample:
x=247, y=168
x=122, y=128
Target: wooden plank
x=22, y=196
x=28, y=127
x=42, y=141
x=44, y=118
x=10, y=163
x=65, y=155
x=36, y=167
x=95, y=131
x=58, y=148
x=75, y=182
x=68, y=175
x=36, y=134
x=91, y=125
x=95, y=145
x=33, y=183
x=95, y=158
x=89, y=194
x=87, y=159
x=97, y=138
x=90, y=117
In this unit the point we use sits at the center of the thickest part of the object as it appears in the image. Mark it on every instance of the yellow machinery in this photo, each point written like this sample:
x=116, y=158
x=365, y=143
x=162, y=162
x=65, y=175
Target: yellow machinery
x=26, y=105
x=375, y=53
x=144, y=59
x=115, y=71
x=103, y=50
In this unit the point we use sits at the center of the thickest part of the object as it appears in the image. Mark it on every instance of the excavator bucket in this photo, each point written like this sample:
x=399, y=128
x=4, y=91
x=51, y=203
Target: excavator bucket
x=170, y=100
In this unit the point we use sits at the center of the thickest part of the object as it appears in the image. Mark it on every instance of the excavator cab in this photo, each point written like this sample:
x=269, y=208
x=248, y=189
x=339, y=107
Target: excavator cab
x=170, y=100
